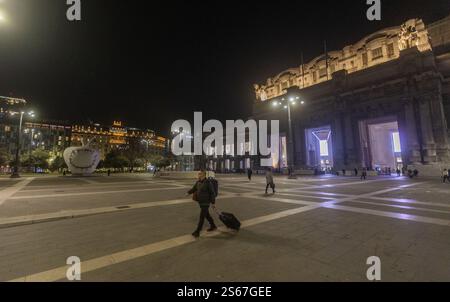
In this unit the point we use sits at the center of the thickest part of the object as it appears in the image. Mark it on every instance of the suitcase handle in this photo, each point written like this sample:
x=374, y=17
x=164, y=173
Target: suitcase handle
x=216, y=210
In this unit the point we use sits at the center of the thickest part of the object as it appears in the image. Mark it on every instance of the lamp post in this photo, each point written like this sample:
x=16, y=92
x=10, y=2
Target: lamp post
x=30, y=148
x=15, y=173
x=287, y=103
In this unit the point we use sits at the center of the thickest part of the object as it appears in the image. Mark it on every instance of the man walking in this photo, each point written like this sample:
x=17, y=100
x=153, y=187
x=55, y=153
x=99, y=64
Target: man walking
x=203, y=192
x=269, y=181
x=364, y=174
x=249, y=174
x=445, y=175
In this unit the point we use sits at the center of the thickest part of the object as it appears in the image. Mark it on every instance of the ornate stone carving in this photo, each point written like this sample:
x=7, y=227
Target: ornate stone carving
x=413, y=34
x=408, y=36
x=260, y=92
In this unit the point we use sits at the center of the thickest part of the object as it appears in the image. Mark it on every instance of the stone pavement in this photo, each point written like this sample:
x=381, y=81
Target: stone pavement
x=136, y=228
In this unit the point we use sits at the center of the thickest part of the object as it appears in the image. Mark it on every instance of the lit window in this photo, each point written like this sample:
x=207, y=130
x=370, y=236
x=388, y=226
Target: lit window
x=323, y=148
x=396, y=142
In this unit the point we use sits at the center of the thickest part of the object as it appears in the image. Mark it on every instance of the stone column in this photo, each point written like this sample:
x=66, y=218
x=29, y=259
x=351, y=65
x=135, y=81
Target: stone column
x=349, y=141
x=439, y=125
x=428, y=143
x=408, y=130
x=299, y=140
x=337, y=135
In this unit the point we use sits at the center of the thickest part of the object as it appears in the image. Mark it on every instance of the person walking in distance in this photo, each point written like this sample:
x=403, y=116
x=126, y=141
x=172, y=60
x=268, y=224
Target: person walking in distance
x=269, y=181
x=364, y=174
x=249, y=174
x=203, y=192
x=445, y=175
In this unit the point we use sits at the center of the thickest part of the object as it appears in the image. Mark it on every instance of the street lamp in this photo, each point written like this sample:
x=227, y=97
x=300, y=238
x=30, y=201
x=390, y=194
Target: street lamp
x=15, y=173
x=287, y=103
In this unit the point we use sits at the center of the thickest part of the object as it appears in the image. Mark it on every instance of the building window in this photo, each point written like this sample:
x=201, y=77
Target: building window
x=7, y=128
x=390, y=50
x=365, y=59
x=323, y=144
x=314, y=76
x=396, y=142
x=284, y=85
x=322, y=72
x=377, y=53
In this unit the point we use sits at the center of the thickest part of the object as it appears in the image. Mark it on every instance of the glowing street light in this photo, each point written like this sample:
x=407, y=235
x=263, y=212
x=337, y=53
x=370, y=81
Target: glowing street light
x=3, y=18
x=291, y=100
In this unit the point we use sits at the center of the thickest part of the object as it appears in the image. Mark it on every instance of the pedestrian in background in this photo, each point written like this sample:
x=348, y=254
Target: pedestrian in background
x=269, y=181
x=249, y=174
x=364, y=174
x=445, y=175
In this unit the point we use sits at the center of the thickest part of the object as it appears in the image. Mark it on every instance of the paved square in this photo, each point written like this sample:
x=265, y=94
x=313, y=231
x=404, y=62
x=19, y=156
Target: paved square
x=137, y=228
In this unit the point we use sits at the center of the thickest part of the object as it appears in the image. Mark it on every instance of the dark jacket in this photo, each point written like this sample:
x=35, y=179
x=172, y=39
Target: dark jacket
x=205, y=192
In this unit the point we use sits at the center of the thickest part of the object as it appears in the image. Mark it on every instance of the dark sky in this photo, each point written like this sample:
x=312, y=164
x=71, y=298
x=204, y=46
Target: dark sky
x=149, y=63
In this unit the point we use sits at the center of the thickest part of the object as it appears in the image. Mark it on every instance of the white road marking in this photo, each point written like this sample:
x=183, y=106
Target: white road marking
x=8, y=192
x=411, y=201
x=334, y=204
x=95, y=193
x=395, y=215
x=146, y=250
x=46, y=217
x=401, y=206
x=87, y=180
x=95, y=186
x=98, y=184
x=306, y=196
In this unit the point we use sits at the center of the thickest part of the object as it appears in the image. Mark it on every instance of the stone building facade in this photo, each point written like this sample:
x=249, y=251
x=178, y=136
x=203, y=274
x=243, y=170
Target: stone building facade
x=380, y=103
x=117, y=136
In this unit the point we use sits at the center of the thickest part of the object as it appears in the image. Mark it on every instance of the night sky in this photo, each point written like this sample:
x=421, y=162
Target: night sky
x=149, y=63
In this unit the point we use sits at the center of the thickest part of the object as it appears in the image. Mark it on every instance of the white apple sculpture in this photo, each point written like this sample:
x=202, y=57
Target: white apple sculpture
x=82, y=160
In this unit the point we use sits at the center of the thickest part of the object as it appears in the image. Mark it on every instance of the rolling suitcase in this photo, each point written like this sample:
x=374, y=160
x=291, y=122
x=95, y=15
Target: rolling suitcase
x=229, y=220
